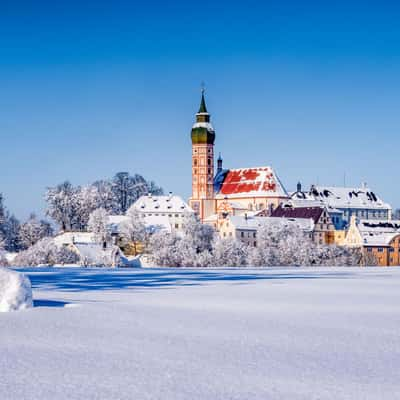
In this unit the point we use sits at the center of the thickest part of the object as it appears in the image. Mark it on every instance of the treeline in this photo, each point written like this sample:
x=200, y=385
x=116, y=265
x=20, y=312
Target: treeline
x=15, y=235
x=70, y=206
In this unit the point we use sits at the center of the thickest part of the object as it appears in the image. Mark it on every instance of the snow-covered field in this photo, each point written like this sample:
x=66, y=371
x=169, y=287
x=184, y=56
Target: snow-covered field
x=205, y=334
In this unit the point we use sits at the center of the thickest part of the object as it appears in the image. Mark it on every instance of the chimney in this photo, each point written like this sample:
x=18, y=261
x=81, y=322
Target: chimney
x=299, y=187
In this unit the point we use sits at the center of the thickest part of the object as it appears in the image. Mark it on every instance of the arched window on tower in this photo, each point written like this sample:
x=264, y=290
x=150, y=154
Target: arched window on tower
x=209, y=161
x=195, y=162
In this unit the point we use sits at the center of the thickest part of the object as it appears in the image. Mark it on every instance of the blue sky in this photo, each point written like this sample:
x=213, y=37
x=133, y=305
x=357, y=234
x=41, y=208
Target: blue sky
x=92, y=88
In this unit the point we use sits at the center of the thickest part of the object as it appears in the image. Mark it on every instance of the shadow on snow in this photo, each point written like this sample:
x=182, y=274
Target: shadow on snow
x=49, y=303
x=75, y=280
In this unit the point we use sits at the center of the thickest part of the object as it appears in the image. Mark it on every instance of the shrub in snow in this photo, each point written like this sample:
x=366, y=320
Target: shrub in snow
x=45, y=252
x=15, y=291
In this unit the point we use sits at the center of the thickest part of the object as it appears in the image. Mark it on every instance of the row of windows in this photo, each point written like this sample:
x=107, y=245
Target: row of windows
x=209, y=151
x=380, y=250
x=248, y=234
x=366, y=213
x=209, y=162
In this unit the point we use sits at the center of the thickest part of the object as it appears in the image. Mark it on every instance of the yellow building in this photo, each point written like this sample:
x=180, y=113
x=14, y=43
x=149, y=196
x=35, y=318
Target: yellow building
x=380, y=240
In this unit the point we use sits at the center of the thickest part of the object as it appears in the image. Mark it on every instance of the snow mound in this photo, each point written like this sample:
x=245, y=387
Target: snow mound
x=15, y=291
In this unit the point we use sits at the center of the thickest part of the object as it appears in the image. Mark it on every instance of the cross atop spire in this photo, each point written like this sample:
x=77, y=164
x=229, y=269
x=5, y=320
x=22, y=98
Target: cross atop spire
x=203, y=108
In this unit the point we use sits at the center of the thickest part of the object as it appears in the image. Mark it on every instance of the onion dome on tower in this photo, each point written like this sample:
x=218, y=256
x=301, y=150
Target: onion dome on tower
x=202, y=131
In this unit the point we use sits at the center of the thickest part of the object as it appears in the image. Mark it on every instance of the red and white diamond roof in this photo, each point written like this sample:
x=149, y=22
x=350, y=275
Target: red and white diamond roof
x=249, y=182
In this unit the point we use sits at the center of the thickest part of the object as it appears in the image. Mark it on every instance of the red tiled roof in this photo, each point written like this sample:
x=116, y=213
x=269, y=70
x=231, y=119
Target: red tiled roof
x=298, y=212
x=251, y=181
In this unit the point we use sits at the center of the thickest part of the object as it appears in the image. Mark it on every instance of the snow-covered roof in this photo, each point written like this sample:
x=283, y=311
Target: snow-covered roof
x=248, y=182
x=304, y=199
x=379, y=226
x=378, y=232
x=345, y=197
x=378, y=238
x=162, y=204
x=73, y=237
x=253, y=223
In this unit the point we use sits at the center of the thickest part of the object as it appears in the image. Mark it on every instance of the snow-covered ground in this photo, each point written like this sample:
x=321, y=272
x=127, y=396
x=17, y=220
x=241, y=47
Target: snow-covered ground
x=205, y=334
x=15, y=291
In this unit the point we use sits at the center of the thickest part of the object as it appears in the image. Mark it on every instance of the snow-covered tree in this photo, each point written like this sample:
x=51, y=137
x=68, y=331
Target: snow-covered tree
x=368, y=259
x=198, y=236
x=127, y=189
x=163, y=249
x=9, y=228
x=12, y=234
x=62, y=205
x=229, y=253
x=86, y=201
x=105, y=196
x=191, y=248
x=134, y=228
x=98, y=221
x=3, y=260
x=71, y=206
x=33, y=230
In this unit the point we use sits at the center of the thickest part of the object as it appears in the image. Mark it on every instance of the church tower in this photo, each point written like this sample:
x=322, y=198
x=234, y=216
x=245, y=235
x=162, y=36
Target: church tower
x=203, y=137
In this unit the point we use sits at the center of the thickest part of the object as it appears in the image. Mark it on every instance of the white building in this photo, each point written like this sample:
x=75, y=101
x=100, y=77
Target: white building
x=172, y=208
